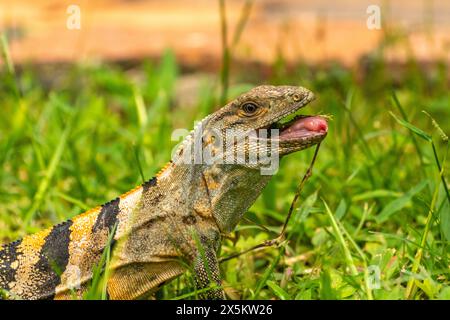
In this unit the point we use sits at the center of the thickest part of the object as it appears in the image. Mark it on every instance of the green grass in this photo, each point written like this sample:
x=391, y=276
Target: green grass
x=376, y=205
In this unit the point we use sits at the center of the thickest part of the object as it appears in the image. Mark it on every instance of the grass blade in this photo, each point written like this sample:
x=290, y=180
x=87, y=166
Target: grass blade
x=398, y=204
x=341, y=241
x=411, y=127
x=50, y=172
x=278, y=291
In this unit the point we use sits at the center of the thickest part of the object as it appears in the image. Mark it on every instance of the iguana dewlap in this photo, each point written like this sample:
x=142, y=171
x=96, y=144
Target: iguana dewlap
x=173, y=221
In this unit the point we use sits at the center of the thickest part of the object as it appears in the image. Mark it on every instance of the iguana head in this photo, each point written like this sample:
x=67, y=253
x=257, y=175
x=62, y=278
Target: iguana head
x=264, y=109
x=253, y=122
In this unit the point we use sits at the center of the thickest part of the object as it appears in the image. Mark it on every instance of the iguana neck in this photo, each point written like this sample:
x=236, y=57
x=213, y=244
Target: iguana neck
x=220, y=191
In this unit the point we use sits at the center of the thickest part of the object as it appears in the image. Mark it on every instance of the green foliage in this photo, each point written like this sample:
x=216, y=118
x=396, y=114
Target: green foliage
x=99, y=130
x=101, y=272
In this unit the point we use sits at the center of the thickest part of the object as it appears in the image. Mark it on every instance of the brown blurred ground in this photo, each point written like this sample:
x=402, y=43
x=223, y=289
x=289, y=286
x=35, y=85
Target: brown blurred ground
x=311, y=31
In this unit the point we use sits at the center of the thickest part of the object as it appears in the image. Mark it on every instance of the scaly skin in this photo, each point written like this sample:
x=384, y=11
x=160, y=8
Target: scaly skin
x=170, y=223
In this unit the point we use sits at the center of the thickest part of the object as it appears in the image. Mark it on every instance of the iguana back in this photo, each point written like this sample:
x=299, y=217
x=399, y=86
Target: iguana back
x=58, y=262
x=173, y=221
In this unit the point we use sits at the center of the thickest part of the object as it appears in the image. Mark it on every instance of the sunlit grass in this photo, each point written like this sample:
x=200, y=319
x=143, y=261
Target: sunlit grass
x=375, y=203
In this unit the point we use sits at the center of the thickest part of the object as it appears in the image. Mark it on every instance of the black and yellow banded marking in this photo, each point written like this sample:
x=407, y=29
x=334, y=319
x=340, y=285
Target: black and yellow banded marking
x=54, y=257
x=43, y=275
x=148, y=184
x=107, y=217
x=8, y=256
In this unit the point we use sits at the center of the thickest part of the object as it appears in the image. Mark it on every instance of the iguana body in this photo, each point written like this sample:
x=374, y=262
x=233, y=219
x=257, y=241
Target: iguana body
x=171, y=222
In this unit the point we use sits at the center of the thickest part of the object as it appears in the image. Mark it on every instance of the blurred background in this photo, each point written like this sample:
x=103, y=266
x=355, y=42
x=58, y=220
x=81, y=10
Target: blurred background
x=300, y=30
x=90, y=92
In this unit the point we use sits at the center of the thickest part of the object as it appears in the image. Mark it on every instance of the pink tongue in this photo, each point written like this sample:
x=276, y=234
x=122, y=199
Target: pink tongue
x=317, y=124
x=311, y=124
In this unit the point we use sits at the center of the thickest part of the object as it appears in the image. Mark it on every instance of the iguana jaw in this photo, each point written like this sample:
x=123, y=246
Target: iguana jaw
x=300, y=132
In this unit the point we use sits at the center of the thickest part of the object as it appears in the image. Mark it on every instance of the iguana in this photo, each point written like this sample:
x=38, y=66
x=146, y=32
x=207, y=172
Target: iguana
x=173, y=221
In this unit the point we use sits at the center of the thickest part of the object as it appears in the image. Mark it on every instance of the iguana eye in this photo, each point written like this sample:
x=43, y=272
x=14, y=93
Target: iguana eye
x=249, y=108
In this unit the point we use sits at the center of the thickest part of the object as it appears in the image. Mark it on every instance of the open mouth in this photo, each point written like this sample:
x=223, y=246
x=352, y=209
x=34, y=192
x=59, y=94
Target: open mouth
x=303, y=127
x=297, y=131
x=300, y=128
